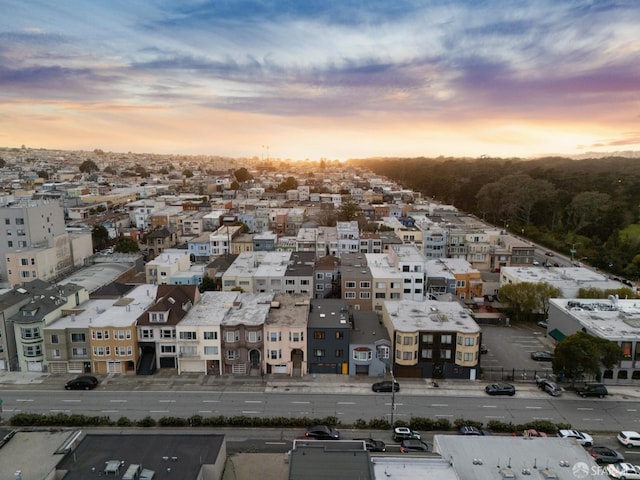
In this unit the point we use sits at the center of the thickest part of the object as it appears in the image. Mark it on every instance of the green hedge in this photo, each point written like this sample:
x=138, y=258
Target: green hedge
x=415, y=423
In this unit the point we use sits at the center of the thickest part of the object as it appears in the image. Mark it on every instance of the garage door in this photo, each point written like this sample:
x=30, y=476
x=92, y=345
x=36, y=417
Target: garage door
x=114, y=367
x=280, y=368
x=58, y=367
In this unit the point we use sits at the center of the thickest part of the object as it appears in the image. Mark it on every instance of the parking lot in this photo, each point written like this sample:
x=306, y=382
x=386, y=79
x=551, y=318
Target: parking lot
x=509, y=352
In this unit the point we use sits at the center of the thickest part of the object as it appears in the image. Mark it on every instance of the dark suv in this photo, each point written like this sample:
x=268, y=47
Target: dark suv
x=593, y=390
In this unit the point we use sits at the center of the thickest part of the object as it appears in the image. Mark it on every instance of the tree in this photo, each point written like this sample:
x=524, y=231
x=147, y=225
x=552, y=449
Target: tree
x=3, y=163
x=349, y=210
x=126, y=245
x=208, y=284
x=242, y=175
x=43, y=174
x=140, y=170
x=88, y=166
x=110, y=170
x=527, y=299
x=99, y=236
x=289, y=184
x=581, y=354
x=187, y=173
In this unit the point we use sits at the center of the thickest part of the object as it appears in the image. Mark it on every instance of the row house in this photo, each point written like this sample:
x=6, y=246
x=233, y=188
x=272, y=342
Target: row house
x=369, y=346
x=222, y=238
x=156, y=327
x=242, y=243
x=435, y=242
x=356, y=281
x=306, y=240
x=328, y=337
x=198, y=334
x=327, y=242
x=265, y=242
x=240, y=274
x=440, y=281
x=160, y=240
x=432, y=339
x=326, y=277
x=160, y=270
x=387, y=280
x=211, y=220
x=242, y=332
x=199, y=248
x=521, y=253
x=193, y=224
x=113, y=339
x=166, y=216
x=298, y=277
x=285, y=330
x=348, y=237
x=468, y=279
x=370, y=243
x=479, y=249
x=10, y=304
x=411, y=263
x=140, y=212
x=32, y=318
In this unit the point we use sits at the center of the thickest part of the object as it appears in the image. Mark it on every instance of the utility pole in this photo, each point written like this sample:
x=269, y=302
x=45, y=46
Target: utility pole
x=393, y=395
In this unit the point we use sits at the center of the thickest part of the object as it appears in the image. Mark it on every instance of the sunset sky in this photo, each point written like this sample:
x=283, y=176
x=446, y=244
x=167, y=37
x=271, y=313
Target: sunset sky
x=318, y=79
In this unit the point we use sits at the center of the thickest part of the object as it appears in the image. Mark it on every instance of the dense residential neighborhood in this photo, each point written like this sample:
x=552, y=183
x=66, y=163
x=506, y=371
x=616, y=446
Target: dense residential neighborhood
x=346, y=273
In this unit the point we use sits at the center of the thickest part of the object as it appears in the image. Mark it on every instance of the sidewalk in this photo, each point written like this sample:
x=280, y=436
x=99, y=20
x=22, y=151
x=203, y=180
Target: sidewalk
x=312, y=384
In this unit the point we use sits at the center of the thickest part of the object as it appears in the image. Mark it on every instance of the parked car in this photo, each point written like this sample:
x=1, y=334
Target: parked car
x=582, y=438
x=535, y=263
x=405, y=433
x=83, y=382
x=500, y=389
x=552, y=388
x=373, y=445
x=549, y=254
x=483, y=349
x=414, y=445
x=322, y=432
x=602, y=454
x=543, y=324
x=593, y=390
x=470, y=430
x=629, y=438
x=624, y=470
x=385, y=386
x=542, y=356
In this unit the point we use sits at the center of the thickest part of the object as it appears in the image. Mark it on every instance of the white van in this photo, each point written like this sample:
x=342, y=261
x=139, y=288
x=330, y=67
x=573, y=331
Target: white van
x=133, y=472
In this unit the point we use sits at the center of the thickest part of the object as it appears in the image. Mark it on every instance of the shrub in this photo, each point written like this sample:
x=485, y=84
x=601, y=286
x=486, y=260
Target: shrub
x=146, y=422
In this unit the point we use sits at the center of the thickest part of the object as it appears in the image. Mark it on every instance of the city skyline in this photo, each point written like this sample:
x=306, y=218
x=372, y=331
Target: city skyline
x=336, y=80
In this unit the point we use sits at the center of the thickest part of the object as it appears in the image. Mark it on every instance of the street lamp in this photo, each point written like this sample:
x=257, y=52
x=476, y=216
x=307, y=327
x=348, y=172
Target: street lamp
x=393, y=394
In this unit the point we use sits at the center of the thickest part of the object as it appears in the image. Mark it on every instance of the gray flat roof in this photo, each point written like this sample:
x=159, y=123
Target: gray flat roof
x=33, y=453
x=430, y=315
x=168, y=455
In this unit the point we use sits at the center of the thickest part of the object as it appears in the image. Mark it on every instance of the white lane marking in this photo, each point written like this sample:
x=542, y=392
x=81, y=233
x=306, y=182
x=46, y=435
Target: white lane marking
x=167, y=401
x=346, y=403
x=205, y=411
x=211, y=401
x=534, y=408
x=300, y=402
x=275, y=443
x=118, y=401
x=253, y=401
x=584, y=408
x=439, y=404
x=489, y=406
x=72, y=401
x=24, y=399
x=108, y=411
x=249, y=411
x=158, y=411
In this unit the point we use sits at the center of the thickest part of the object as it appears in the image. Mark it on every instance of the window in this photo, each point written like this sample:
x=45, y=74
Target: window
x=349, y=284
x=146, y=333
x=635, y=375
x=231, y=337
x=407, y=340
x=188, y=335
x=232, y=354
x=318, y=353
x=381, y=295
x=381, y=285
x=253, y=337
x=24, y=261
x=96, y=334
x=446, y=354
x=210, y=335
x=320, y=286
x=54, y=338
x=626, y=350
x=339, y=353
x=296, y=336
x=167, y=348
x=468, y=357
x=362, y=355
x=460, y=283
x=166, y=333
x=445, y=339
x=407, y=356
x=78, y=337
x=32, y=350
x=365, y=295
x=427, y=353
x=7, y=221
x=275, y=354
x=365, y=284
x=20, y=232
x=157, y=317
x=319, y=276
x=55, y=353
x=622, y=374
x=349, y=295
x=290, y=282
x=275, y=336
x=384, y=352
x=469, y=341
x=30, y=333
x=211, y=350
x=339, y=335
x=19, y=221
x=78, y=352
x=118, y=334
x=99, y=351
x=318, y=335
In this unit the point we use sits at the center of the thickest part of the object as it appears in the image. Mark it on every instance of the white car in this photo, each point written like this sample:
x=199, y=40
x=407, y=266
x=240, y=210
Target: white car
x=582, y=438
x=629, y=438
x=624, y=470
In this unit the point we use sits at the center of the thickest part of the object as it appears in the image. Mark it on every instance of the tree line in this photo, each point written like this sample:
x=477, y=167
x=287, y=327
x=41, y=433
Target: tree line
x=589, y=206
